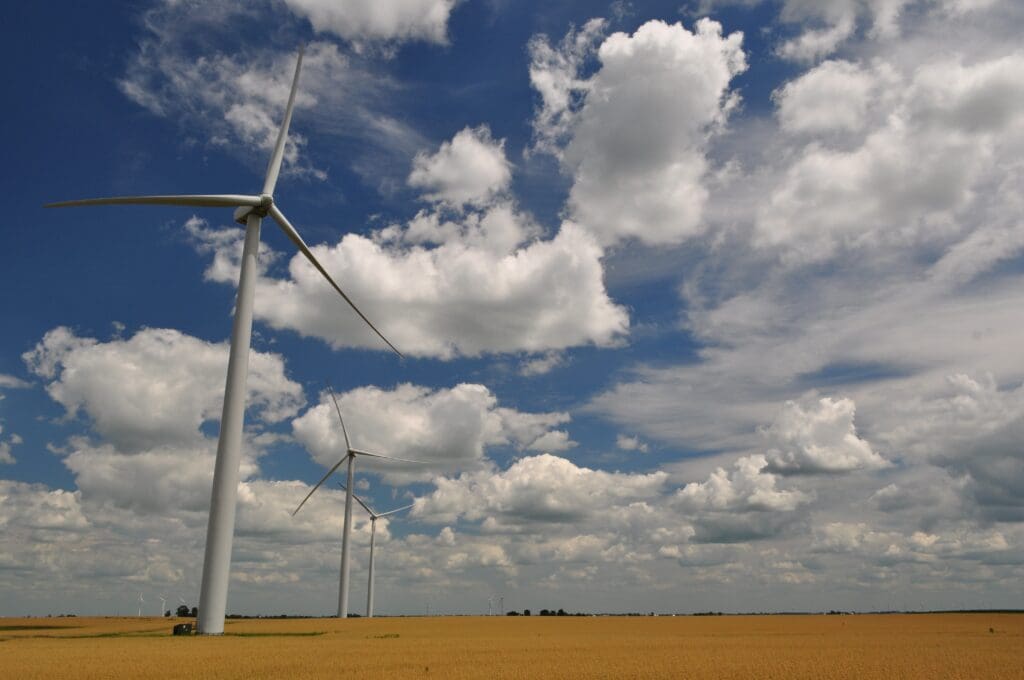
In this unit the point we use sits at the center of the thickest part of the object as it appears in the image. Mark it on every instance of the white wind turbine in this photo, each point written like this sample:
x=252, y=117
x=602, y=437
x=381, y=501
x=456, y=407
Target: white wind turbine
x=250, y=211
x=163, y=603
x=141, y=602
x=374, y=516
x=350, y=456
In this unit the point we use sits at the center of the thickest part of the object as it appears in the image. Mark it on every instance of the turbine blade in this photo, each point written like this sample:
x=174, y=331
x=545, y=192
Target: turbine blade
x=381, y=455
x=289, y=230
x=391, y=512
x=322, y=480
x=360, y=501
x=197, y=201
x=348, y=446
x=274, y=168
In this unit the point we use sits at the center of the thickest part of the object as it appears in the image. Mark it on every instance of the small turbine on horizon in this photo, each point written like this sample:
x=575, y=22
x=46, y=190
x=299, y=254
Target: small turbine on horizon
x=250, y=211
x=374, y=516
x=163, y=603
x=350, y=456
x=141, y=602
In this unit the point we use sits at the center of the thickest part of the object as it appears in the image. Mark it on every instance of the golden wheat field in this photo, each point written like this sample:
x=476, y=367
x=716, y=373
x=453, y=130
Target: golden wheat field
x=784, y=647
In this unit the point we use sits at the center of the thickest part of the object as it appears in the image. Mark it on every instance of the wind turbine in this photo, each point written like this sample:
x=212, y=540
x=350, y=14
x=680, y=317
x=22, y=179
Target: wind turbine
x=250, y=211
x=163, y=603
x=350, y=456
x=374, y=516
x=141, y=602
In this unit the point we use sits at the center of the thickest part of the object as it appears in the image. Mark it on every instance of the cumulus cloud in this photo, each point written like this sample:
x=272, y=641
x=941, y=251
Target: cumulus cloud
x=820, y=438
x=971, y=428
x=748, y=487
x=556, y=73
x=33, y=506
x=471, y=168
x=911, y=177
x=826, y=25
x=636, y=146
x=155, y=388
x=738, y=505
x=497, y=229
x=6, y=444
x=892, y=547
x=466, y=301
x=542, y=488
x=368, y=20
x=446, y=428
x=630, y=443
x=542, y=364
x=833, y=96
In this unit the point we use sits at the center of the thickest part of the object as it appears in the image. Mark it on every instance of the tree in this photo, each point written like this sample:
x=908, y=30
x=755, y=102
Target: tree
x=182, y=610
x=194, y=613
x=526, y=612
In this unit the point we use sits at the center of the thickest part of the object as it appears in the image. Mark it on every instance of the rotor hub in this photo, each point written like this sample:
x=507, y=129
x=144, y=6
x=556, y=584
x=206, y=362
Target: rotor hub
x=242, y=212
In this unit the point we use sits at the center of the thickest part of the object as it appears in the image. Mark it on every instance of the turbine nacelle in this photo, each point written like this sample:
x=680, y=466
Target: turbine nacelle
x=242, y=212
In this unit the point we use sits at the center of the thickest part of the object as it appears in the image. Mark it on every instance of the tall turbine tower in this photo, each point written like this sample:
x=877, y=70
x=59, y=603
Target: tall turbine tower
x=374, y=516
x=350, y=456
x=250, y=211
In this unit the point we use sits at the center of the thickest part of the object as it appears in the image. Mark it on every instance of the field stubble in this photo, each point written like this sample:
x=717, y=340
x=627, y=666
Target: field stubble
x=783, y=647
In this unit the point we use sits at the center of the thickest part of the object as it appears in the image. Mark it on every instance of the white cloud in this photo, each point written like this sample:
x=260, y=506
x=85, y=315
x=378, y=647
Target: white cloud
x=815, y=43
x=833, y=96
x=541, y=488
x=369, y=20
x=9, y=382
x=746, y=488
x=637, y=145
x=739, y=505
x=827, y=25
x=452, y=300
x=34, y=506
x=819, y=438
x=542, y=364
x=470, y=169
x=555, y=73
x=6, y=445
x=447, y=428
x=235, y=99
x=156, y=388
x=630, y=444
x=912, y=177
x=497, y=229
x=971, y=428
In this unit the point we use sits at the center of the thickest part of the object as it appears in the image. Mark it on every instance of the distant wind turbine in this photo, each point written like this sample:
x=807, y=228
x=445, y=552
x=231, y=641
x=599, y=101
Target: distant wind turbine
x=374, y=516
x=250, y=211
x=350, y=456
x=141, y=602
x=163, y=603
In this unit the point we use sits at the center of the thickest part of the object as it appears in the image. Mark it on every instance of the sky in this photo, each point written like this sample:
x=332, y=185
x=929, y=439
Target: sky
x=704, y=305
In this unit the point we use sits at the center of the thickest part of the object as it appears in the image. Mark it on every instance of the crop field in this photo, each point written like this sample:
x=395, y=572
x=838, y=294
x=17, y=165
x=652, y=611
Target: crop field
x=783, y=647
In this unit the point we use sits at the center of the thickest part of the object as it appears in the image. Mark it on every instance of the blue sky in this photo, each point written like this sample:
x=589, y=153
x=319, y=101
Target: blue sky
x=705, y=305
